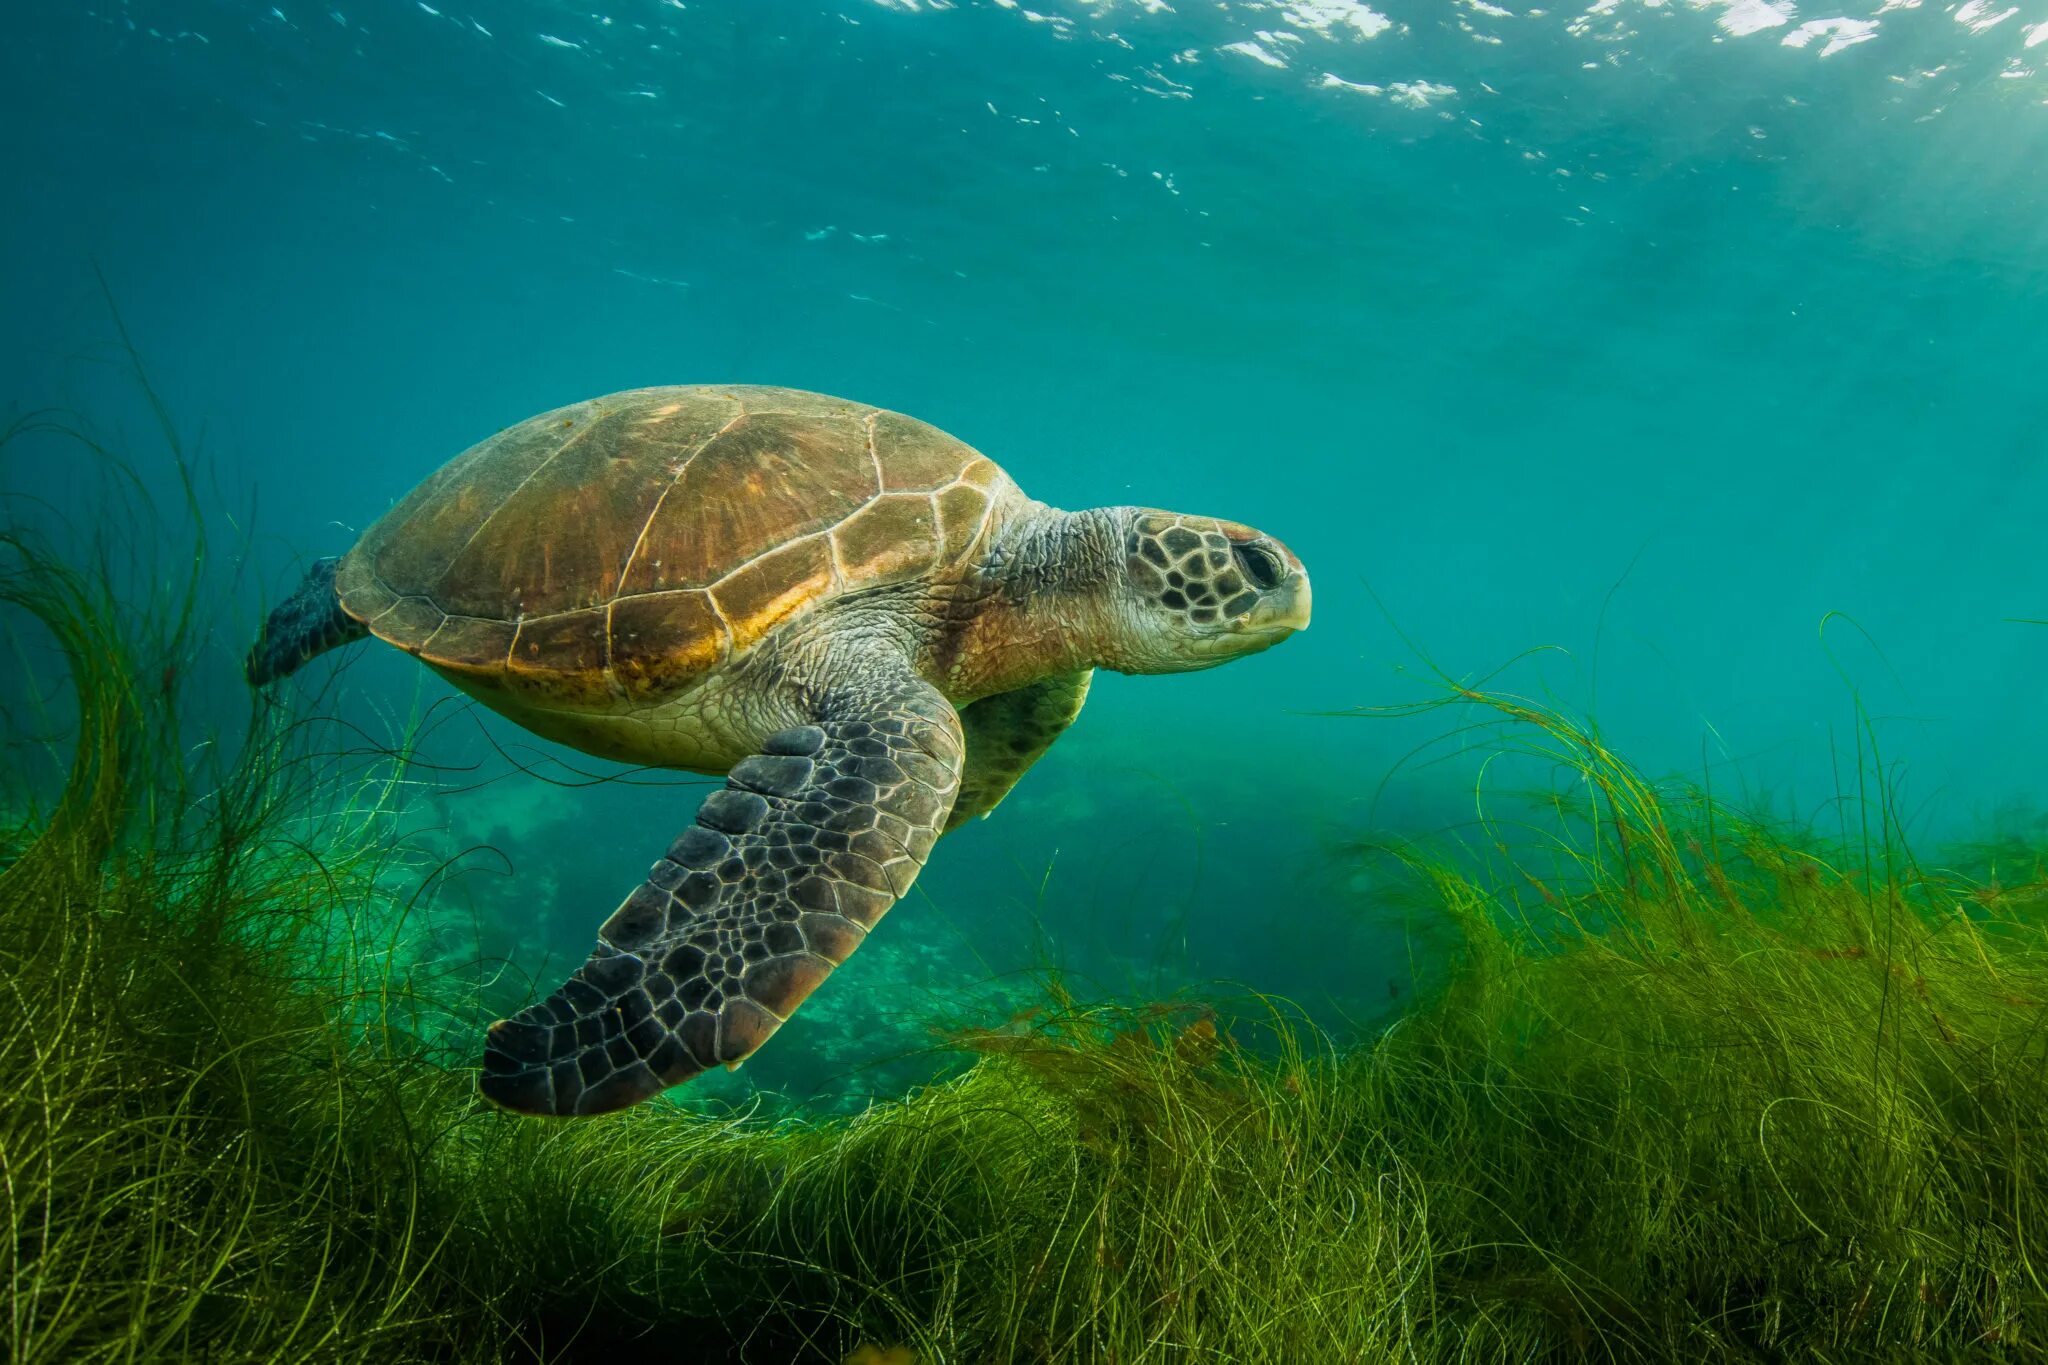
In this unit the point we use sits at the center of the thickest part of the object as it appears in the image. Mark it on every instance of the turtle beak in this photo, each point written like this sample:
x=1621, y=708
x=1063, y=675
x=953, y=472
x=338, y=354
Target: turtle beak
x=1285, y=609
x=1284, y=597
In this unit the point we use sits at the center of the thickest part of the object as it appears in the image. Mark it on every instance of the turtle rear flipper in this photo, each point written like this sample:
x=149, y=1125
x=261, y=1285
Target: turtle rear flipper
x=777, y=882
x=309, y=622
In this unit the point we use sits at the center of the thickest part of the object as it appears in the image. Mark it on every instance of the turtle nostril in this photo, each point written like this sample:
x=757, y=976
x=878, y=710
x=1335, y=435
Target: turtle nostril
x=1260, y=565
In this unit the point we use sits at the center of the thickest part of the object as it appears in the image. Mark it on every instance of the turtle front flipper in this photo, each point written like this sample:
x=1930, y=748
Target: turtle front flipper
x=778, y=881
x=1007, y=733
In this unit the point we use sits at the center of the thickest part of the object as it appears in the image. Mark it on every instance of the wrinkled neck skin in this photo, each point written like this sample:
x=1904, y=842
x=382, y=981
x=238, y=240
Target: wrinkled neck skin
x=1045, y=601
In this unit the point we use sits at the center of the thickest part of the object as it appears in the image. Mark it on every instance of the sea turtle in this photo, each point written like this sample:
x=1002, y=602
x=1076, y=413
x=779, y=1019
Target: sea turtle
x=858, y=619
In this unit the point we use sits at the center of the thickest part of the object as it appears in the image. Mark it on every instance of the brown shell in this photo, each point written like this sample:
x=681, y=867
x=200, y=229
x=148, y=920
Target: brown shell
x=621, y=547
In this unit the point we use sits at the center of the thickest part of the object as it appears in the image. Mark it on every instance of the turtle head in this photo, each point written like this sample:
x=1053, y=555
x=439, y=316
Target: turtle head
x=1195, y=592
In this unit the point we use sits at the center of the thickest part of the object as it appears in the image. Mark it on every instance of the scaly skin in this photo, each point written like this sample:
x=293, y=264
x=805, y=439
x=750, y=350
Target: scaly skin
x=781, y=877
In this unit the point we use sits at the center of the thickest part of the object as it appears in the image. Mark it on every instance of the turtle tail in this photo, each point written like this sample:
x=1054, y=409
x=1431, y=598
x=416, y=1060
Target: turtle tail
x=309, y=622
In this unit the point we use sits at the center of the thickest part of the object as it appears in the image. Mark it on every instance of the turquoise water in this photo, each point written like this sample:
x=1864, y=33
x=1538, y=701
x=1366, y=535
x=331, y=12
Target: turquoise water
x=1699, y=346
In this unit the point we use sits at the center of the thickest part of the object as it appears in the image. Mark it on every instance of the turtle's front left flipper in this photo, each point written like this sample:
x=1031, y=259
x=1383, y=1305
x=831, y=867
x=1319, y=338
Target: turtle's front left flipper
x=777, y=882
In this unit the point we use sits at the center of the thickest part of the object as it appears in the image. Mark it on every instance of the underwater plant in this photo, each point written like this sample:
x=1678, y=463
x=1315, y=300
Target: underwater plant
x=1688, y=1086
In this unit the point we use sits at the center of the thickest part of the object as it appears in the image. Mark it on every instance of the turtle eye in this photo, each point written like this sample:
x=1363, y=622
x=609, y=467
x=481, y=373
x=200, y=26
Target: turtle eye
x=1260, y=565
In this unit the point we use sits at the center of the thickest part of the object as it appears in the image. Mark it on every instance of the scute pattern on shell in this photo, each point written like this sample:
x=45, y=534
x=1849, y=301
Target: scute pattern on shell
x=618, y=548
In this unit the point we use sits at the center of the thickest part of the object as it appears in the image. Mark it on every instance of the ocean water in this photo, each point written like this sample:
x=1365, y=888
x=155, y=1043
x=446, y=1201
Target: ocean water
x=1680, y=363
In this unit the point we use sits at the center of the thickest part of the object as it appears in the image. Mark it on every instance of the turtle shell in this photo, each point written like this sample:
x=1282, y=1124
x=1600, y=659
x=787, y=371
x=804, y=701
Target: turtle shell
x=618, y=549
